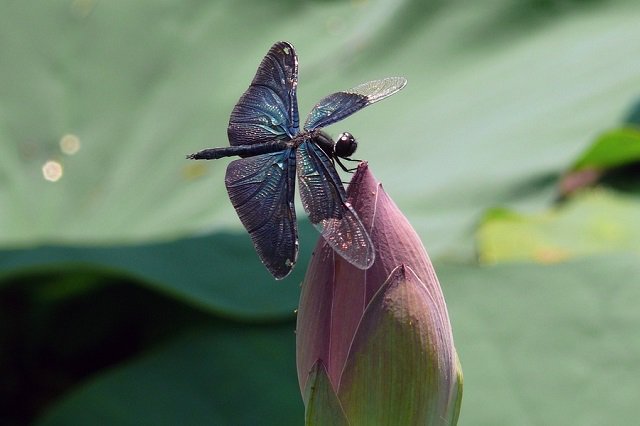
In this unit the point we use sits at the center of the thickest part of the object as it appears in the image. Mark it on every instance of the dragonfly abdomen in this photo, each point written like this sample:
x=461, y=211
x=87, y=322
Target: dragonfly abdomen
x=240, y=150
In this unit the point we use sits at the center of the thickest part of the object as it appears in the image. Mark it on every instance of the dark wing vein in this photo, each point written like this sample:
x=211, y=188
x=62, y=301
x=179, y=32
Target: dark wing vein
x=268, y=110
x=325, y=201
x=339, y=105
x=261, y=189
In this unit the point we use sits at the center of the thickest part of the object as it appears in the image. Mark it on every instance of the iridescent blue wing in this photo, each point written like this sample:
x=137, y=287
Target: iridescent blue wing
x=261, y=189
x=268, y=110
x=337, y=106
x=325, y=201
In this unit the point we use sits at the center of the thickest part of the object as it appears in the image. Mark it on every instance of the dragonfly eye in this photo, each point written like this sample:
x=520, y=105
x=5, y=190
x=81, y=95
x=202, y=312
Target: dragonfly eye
x=345, y=145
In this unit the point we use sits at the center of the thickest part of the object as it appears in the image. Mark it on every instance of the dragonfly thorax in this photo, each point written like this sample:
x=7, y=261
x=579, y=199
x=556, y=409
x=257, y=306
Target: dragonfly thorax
x=343, y=147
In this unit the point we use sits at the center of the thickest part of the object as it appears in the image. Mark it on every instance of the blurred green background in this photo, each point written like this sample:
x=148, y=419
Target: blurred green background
x=130, y=294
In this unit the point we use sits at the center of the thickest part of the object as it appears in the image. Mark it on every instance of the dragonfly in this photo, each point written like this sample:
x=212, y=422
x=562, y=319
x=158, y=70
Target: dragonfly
x=264, y=131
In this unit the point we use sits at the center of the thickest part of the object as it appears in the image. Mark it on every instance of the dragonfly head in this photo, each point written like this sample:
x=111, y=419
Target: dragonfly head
x=346, y=145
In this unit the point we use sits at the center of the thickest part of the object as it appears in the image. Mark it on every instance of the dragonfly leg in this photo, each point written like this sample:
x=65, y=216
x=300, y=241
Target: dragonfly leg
x=347, y=169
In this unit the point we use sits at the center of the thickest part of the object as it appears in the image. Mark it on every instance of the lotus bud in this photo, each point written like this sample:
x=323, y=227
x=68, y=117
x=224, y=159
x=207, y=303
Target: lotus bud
x=375, y=346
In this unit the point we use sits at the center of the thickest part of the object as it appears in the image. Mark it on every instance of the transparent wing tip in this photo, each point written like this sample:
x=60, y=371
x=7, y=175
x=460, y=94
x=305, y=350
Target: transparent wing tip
x=358, y=251
x=363, y=264
x=376, y=90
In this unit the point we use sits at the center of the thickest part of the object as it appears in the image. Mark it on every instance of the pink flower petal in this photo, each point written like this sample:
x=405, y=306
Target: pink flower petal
x=335, y=294
x=402, y=367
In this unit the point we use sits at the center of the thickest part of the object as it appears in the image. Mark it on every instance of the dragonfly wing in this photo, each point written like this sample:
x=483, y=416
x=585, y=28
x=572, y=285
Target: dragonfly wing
x=268, y=110
x=261, y=189
x=339, y=105
x=325, y=201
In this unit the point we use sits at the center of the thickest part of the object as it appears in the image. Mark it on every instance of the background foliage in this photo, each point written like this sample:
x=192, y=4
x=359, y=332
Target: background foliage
x=129, y=292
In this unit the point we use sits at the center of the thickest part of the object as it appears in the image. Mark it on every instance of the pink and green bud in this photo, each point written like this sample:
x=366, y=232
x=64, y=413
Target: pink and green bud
x=375, y=346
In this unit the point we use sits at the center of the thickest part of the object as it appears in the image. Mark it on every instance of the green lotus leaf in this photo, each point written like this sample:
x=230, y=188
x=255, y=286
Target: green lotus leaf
x=593, y=221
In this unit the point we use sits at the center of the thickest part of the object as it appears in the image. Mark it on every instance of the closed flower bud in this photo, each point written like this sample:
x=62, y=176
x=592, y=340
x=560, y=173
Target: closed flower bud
x=375, y=346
